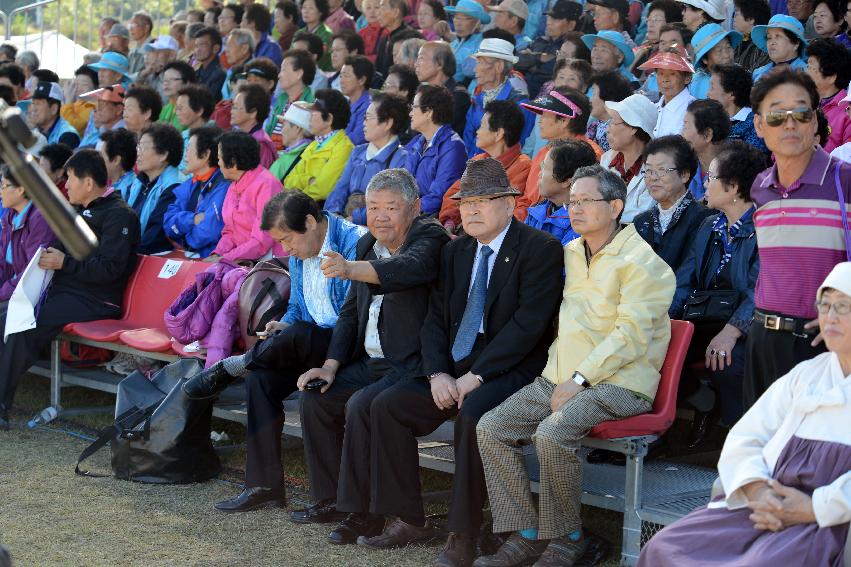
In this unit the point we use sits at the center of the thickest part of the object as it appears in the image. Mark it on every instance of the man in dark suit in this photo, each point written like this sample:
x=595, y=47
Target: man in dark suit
x=376, y=342
x=486, y=335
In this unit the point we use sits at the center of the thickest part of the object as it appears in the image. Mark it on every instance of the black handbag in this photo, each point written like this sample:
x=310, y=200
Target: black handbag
x=159, y=435
x=706, y=306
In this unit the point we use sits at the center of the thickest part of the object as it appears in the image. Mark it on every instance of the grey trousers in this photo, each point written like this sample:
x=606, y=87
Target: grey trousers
x=526, y=417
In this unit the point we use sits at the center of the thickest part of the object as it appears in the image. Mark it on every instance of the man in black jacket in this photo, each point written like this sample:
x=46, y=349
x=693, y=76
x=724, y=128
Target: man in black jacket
x=486, y=336
x=376, y=341
x=81, y=290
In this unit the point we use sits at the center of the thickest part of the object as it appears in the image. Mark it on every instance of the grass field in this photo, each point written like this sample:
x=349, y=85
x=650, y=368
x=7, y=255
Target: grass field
x=49, y=516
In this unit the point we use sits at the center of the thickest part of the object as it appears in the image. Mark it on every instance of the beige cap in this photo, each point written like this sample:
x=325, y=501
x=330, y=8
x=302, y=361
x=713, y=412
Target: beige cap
x=518, y=8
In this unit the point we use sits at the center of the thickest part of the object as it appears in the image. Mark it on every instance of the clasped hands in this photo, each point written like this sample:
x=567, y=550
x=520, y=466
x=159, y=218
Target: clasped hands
x=775, y=507
x=446, y=391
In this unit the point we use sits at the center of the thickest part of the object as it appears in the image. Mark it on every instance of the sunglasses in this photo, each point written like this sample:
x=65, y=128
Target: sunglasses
x=779, y=117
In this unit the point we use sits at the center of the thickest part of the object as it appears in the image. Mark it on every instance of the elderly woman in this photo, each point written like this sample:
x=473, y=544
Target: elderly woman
x=712, y=46
x=673, y=73
x=251, y=188
x=608, y=86
x=828, y=18
x=783, y=39
x=142, y=107
x=159, y=151
x=706, y=127
x=385, y=118
x=118, y=150
x=295, y=135
x=698, y=13
x=176, y=75
x=731, y=86
x=355, y=78
x=631, y=126
x=784, y=468
x=659, y=13
x=193, y=109
x=437, y=156
x=313, y=14
x=250, y=109
x=401, y=80
x=194, y=220
x=431, y=18
x=610, y=52
x=22, y=231
x=829, y=65
x=670, y=225
x=722, y=265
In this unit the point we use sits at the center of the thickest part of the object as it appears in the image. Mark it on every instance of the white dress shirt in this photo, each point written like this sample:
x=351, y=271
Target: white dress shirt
x=672, y=115
x=317, y=286
x=494, y=245
x=372, y=340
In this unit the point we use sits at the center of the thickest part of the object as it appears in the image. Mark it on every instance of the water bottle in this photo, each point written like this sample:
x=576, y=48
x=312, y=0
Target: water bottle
x=46, y=415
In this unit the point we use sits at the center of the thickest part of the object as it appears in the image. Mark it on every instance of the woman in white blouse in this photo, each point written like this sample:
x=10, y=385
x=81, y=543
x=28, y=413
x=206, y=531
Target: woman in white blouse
x=785, y=469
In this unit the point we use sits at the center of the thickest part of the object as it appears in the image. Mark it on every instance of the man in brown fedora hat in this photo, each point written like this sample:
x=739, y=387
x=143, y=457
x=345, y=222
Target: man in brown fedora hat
x=485, y=337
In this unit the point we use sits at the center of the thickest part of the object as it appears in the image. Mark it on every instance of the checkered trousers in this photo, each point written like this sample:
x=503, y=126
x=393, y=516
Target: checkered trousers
x=526, y=418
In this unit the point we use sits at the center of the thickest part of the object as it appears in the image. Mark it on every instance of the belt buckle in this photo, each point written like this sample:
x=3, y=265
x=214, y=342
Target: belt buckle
x=772, y=322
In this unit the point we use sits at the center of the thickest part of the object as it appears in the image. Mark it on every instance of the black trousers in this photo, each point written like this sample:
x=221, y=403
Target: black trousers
x=274, y=366
x=770, y=355
x=406, y=411
x=21, y=350
x=336, y=430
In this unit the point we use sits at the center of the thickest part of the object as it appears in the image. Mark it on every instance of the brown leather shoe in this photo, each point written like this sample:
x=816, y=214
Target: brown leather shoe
x=458, y=551
x=562, y=552
x=398, y=534
x=517, y=551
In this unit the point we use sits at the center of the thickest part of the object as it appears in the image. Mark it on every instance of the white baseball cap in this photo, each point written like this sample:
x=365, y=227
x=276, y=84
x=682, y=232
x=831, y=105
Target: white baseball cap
x=162, y=43
x=298, y=116
x=638, y=111
x=713, y=8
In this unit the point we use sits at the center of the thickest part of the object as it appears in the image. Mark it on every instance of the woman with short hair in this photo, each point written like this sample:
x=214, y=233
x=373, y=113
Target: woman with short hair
x=142, y=107
x=829, y=65
x=250, y=109
x=784, y=41
x=731, y=86
x=706, y=127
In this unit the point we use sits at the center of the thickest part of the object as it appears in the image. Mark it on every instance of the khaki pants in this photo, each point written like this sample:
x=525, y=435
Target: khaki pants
x=526, y=418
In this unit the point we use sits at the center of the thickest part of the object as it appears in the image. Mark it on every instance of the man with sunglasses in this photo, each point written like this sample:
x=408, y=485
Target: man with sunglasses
x=799, y=228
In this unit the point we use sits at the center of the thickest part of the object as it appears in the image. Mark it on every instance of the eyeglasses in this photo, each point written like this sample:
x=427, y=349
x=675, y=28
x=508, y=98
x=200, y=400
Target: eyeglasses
x=710, y=177
x=582, y=203
x=659, y=173
x=778, y=117
x=840, y=307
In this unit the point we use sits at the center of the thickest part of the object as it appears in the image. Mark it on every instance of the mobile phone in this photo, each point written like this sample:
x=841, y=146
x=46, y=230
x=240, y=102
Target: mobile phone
x=261, y=334
x=315, y=384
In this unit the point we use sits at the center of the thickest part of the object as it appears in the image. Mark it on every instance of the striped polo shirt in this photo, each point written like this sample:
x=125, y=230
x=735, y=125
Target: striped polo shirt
x=800, y=235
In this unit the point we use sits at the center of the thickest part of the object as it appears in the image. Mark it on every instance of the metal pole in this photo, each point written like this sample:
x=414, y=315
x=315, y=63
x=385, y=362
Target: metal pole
x=91, y=18
x=58, y=28
x=74, y=32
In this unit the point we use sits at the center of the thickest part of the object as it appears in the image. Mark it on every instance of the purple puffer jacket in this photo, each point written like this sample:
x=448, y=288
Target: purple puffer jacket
x=225, y=328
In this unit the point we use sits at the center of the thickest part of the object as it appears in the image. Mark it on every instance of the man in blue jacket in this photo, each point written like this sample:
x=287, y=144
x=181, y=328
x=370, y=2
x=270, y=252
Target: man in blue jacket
x=295, y=344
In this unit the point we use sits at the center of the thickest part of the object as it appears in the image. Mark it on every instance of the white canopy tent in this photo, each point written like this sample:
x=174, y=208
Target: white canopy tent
x=56, y=52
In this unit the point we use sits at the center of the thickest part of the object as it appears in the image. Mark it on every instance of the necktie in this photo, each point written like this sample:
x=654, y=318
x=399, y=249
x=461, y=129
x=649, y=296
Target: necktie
x=475, y=310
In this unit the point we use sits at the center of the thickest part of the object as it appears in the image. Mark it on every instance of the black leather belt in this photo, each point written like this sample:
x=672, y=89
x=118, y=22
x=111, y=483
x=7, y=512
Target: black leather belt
x=772, y=322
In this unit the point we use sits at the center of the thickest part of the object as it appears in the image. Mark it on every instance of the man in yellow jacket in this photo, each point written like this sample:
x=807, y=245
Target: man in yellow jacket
x=322, y=162
x=604, y=364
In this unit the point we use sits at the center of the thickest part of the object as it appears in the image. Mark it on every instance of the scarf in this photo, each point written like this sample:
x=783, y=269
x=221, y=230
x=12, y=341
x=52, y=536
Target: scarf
x=490, y=95
x=728, y=234
x=685, y=201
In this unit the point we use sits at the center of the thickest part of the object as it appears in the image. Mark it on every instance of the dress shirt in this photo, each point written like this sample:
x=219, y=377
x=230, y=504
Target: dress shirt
x=372, y=340
x=494, y=245
x=316, y=288
x=672, y=115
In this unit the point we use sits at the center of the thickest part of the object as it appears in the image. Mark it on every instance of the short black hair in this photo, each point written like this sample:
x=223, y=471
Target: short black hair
x=237, y=10
x=673, y=10
x=239, y=150
x=685, y=160
x=680, y=27
x=612, y=86
x=570, y=155
x=323, y=8
x=438, y=99
x=260, y=16
x=167, y=141
x=212, y=33
x=837, y=9
x=580, y=66
x=267, y=67
x=581, y=50
x=392, y=107
x=88, y=163
x=354, y=42
x=6, y=173
x=200, y=99
x=315, y=45
x=187, y=73
x=289, y=9
x=256, y=99
x=147, y=98
x=735, y=80
x=783, y=76
x=822, y=126
x=14, y=73
x=436, y=9
x=7, y=94
x=707, y=114
x=362, y=68
x=216, y=11
x=333, y=103
x=499, y=33
x=89, y=72
x=289, y=210
x=507, y=115
x=122, y=143
x=9, y=50
x=758, y=11
x=578, y=124
x=408, y=80
x=302, y=61
x=45, y=76
x=56, y=155
x=833, y=58
x=207, y=140
x=739, y=163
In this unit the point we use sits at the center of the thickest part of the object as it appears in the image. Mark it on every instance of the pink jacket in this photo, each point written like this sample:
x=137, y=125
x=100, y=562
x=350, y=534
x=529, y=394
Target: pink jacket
x=268, y=152
x=224, y=330
x=840, y=123
x=241, y=211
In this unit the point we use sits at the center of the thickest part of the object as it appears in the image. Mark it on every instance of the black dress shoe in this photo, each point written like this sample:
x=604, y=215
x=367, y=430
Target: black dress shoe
x=699, y=429
x=459, y=551
x=354, y=526
x=254, y=498
x=208, y=383
x=323, y=512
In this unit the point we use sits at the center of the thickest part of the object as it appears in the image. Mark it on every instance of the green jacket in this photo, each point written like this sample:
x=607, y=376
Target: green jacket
x=280, y=106
x=287, y=159
x=324, y=33
x=169, y=116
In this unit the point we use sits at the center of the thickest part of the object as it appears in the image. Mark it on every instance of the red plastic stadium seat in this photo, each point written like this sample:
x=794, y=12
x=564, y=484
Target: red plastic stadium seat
x=148, y=340
x=664, y=410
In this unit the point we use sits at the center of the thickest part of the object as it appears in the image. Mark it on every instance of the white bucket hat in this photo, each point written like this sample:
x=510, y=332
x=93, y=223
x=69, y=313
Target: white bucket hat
x=713, y=8
x=497, y=49
x=839, y=279
x=298, y=116
x=638, y=111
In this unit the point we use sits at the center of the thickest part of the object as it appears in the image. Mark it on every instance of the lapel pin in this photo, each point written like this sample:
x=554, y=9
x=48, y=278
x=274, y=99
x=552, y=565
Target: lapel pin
x=506, y=258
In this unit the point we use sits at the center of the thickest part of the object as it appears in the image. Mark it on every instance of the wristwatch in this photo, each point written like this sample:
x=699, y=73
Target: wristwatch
x=580, y=379
x=434, y=375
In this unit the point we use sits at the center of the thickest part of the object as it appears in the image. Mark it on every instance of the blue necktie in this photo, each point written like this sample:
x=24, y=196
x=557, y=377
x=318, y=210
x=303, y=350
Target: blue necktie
x=475, y=310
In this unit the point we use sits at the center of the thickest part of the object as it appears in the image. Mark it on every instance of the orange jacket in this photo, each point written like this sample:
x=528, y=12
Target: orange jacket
x=516, y=164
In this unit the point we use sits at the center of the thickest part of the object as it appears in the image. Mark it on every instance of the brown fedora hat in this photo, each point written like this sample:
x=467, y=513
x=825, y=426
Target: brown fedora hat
x=484, y=178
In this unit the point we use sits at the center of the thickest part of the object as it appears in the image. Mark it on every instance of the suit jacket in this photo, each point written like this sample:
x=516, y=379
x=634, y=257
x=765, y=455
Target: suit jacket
x=523, y=294
x=405, y=279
